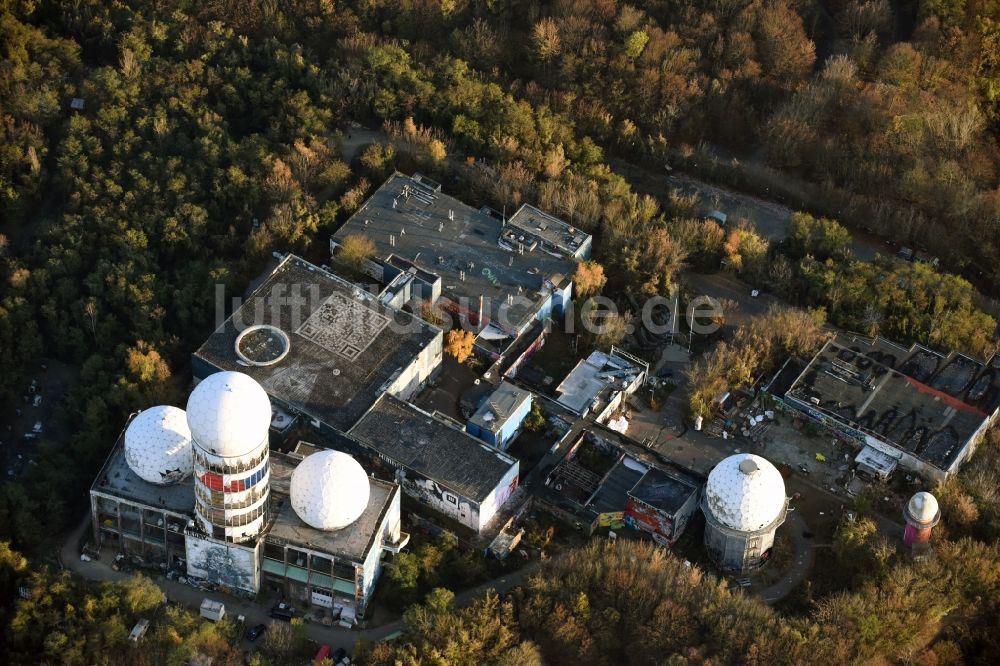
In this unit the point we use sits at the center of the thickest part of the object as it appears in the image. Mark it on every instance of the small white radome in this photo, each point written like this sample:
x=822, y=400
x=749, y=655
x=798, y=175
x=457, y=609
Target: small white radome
x=329, y=490
x=923, y=508
x=158, y=445
x=229, y=414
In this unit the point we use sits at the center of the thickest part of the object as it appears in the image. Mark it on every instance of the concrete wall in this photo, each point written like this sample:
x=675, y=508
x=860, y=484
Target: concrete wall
x=409, y=381
x=439, y=498
x=136, y=528
x=732, y=550
x=388, y=530
x=650, y=519
x=554, y=305
x=499, y=495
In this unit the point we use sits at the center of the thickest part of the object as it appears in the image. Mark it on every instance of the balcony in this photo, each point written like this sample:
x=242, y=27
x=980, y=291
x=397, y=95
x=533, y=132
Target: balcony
x=400, y=544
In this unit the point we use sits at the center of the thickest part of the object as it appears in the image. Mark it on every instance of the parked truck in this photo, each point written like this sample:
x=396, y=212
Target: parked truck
x=213, y=610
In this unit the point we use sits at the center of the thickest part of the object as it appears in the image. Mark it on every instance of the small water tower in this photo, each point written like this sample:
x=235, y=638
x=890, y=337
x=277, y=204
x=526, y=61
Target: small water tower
x=921, y=514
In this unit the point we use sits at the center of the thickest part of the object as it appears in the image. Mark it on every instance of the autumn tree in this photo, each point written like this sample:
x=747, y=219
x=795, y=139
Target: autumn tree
x=545, y=37
x=355, y=250
x=589, y=279
x=459, y=344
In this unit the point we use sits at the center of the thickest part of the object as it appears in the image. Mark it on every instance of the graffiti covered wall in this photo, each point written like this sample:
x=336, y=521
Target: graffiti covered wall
x=439, y=498
x=644, y=517
x=227, y=564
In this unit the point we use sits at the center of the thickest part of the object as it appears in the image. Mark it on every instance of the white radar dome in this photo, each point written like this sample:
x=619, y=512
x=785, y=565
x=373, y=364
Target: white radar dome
x=329, y=490
x=229, y=414
x=158, y=445
x=923, y=508
x=745, y=492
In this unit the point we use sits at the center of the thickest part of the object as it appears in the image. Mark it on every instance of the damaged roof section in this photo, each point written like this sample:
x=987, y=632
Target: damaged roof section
x=916, y=400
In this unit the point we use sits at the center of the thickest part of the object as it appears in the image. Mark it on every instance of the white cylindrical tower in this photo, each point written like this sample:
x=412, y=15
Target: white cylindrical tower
x=229, y=415
x=921, y=515
x=744, y=504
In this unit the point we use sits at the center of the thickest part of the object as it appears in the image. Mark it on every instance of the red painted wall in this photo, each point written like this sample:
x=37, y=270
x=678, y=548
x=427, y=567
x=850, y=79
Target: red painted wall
x=649, y=519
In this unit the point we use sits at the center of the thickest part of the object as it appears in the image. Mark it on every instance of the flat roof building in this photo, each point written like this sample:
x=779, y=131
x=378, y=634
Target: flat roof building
x=663, y=501
x=321, y=346
x=436, y=462
x=552, y=234
x=334, y=569
x=331, y=569
x=924, y=409
x=599, y=384
x=511, y=272
x=608, y=478
x=498, y=420
x=137, y=516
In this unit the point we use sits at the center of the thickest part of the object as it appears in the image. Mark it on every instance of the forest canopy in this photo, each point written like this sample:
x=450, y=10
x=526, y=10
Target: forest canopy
x=152, y=151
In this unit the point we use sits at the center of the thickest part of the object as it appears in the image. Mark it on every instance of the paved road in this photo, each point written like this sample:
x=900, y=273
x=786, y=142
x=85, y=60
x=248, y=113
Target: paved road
x=771, y=219
x=336, y=637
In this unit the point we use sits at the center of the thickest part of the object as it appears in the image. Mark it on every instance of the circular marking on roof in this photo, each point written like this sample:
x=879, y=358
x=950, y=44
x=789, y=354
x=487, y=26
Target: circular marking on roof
x=262, y=345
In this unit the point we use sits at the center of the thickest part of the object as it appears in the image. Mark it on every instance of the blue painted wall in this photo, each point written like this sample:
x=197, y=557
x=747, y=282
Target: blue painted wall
x=513, y=425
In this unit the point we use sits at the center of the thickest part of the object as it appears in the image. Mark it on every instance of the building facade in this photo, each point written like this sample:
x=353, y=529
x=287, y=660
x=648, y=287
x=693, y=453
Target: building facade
x=500, y=418
x=435, y=462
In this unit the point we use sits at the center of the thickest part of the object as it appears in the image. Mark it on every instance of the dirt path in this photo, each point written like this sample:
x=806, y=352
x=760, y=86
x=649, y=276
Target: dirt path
x=801, y=564
x=357, y=137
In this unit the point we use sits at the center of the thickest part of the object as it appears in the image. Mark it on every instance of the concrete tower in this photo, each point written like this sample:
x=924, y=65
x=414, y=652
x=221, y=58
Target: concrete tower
x=229, y=414
x=921, y=514
x=744, y=504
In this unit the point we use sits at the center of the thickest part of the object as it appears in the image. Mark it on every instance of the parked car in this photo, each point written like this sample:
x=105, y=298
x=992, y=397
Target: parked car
x=253, y=633
x=339, y=654
x=282, y=611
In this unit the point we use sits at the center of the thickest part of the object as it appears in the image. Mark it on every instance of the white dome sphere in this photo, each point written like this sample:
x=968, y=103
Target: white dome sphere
x=923, y=508
x=158, y=445
x=229, y=414
x=329, y=490
x=745, y=492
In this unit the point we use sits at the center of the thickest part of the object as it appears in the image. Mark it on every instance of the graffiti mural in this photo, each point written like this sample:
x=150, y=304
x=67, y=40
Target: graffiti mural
x=440, y=498
x=648, y=519
x=223, y=564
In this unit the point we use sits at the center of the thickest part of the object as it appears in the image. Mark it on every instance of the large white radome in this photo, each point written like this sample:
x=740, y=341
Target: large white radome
x=158, y=445
x=329, y=490
x=745, y=492
x=229, y=414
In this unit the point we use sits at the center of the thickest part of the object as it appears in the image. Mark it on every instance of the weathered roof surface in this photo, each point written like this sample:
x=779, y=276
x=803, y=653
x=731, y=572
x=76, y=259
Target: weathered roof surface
x=613, y=492
x=664, y=490
x=345, y=346
x=412, y=438
x=916, y=400
x=118, y=479
x=594, y=379
x=493, y=414
x=352, y=542
x=557, y=236
x=442, y=236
